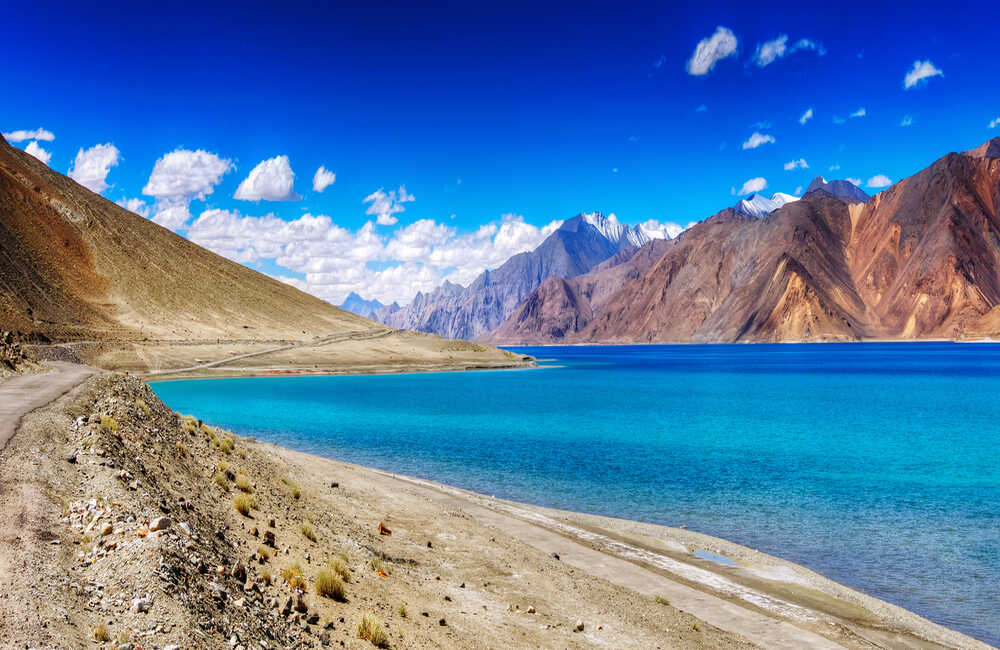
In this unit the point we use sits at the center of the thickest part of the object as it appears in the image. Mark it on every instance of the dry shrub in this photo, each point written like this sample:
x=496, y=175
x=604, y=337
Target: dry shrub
x=339, y=566
x=329, y=584
x=108, y=424
x=243, y=483
x=244, y=503
x=292, y=575
x=308, y=532
x=371, y=630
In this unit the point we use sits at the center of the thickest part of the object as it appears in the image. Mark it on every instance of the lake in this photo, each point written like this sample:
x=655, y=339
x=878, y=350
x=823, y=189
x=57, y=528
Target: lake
x=877, y=465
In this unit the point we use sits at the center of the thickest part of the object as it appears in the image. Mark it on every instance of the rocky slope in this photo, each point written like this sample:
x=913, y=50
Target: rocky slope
x=919, y=260
x=76, y=268
x=452, y=311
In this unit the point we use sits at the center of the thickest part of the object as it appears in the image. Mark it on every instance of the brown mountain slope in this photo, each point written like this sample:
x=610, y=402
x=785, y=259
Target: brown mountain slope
x=76, y=267
x=560, y=308
x=919, y=260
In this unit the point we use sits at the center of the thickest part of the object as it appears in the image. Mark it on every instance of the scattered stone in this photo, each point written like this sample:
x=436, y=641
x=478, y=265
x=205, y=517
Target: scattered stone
x=269, y=537
x=461, y=586
x=270, y=522
x=160, y=523
x=555, y=555
x=185, y=528
x=579, y=626
x=429, y=545
x=300, y=604
x=448, y=598
x=141, y=605
x=239, y=572
x=531, y=609
x=382, y=530
x=442, y=622
x=107, y=529
x=71, y=458
x=335, y=484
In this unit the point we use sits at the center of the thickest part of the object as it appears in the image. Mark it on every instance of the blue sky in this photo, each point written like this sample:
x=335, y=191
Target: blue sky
x=481, y=112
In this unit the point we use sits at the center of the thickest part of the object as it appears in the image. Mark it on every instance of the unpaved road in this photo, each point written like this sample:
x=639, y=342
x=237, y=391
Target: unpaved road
x=24, y=393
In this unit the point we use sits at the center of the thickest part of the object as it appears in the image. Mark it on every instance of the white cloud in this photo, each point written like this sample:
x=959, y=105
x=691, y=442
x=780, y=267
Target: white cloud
x=906, y=121
x=995, y=123
x=711, y=50
x=701, y=109
x=36, y=134
x=878, y=181
x=323, y=179
x=856, y=181
x=770, y=51
x=753, y=185
x=922, y=70
x=384, y=205
x=834, y=167
x=861, y=112
x=270, y=180
x=798, y=190
x=38, y=152
x=180, y=177
x=757, y=139
x=662, y=229
x=335, y=261
x=808, y=115
x=91, y=166
x=796, y=164
x=137, y=206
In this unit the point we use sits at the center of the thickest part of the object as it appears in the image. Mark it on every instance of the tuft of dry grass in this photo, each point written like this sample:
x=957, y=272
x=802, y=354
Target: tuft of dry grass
x=101, y=634
x=661, y=600
x=221, y=480
x=243, y=483
x=292, y=575
x=263, y=554
x=189, y=424
x=244, y=503
x=695, y=626
x=226, y=445
x=143, y=407
x=265, y=575
x=339, y=566
x=109, y=424
x=329, y=584
x=402, y=610
x=296, y=491
x=181, y=448
x=371, y=630
x=380, y=566
x=308, y=532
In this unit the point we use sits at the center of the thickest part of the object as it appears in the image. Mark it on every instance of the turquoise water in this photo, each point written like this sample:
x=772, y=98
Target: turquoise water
x=877, y=465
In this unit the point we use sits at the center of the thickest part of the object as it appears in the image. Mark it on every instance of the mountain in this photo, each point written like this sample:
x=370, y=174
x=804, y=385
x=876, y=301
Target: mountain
x=576, y=247
x=358, y=305
x=559, y=308
x=75, y=267
x=919, y=260
x=757, y=205
x=843, y=189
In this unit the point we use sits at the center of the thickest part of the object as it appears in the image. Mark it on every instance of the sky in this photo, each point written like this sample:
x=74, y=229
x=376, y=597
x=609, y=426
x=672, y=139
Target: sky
x=387, y=147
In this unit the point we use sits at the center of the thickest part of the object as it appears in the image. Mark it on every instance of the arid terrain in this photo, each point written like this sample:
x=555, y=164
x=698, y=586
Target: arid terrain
x=128, y=525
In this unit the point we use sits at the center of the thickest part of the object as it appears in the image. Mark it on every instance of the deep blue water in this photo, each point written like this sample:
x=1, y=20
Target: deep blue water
x=877, y=465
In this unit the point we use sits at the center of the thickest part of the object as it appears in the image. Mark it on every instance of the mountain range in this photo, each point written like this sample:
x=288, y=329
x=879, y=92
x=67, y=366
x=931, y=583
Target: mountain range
x=576, y=247
x=358, y=305
x=918, y=260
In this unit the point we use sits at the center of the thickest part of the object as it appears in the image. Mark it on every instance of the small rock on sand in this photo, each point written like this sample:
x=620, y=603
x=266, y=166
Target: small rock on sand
x=160, y=523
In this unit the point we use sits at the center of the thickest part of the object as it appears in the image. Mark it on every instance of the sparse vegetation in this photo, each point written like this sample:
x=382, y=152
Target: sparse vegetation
x=308, y=532
x=244, y=503
x=243, y=483
x=292, y=575
x=265, y=575
x=189, y=424
x=371, y=630
x=339, y=566
x=402, y=610
x=226, y=445
x=109, y=424
x=380, y=566
x=296, y=491
x=695, y=626
x=181, y=448
x=101, y=634
x=329, y=584
x=661, y=600
x=221, y=480
x=263, y=554
x=143, y=407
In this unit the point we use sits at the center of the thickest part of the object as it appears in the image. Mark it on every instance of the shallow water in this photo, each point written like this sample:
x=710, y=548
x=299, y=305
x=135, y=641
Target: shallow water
x=877, y=465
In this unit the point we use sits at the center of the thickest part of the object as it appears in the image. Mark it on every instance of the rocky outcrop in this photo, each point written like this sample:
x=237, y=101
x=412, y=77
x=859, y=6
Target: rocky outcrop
x=452, y=311
x=13, y=357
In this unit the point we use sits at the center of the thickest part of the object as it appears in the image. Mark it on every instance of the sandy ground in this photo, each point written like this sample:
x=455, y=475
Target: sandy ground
x=468, y=571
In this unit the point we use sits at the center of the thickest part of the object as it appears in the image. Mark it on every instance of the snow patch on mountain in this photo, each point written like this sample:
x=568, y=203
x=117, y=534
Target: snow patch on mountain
x=757, y=205
x=614, y=231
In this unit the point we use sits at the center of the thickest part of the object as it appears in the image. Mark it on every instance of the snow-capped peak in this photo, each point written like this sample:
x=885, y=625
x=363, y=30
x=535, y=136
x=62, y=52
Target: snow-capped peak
x=613, y=230
x=757, y=206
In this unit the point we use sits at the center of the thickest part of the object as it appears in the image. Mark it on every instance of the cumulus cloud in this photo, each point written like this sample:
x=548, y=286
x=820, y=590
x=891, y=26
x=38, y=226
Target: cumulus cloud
x=921, y=72
x=709, y=51
x=758, y=139
x=270, y=180
x=91, y=166
x=861, y=112
x=335, y=261
x=770, y=51
x=136, y=205
x=995, y=123
x=834, y=167
x=906, y=121
x=796, y=164
x=323, y=178
x=385, y=204
x=877, y=181
x=856, y=181
x=36, y=134
x=808, y=115
x=38, y=152
x=753, y=185
x=180, y=177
